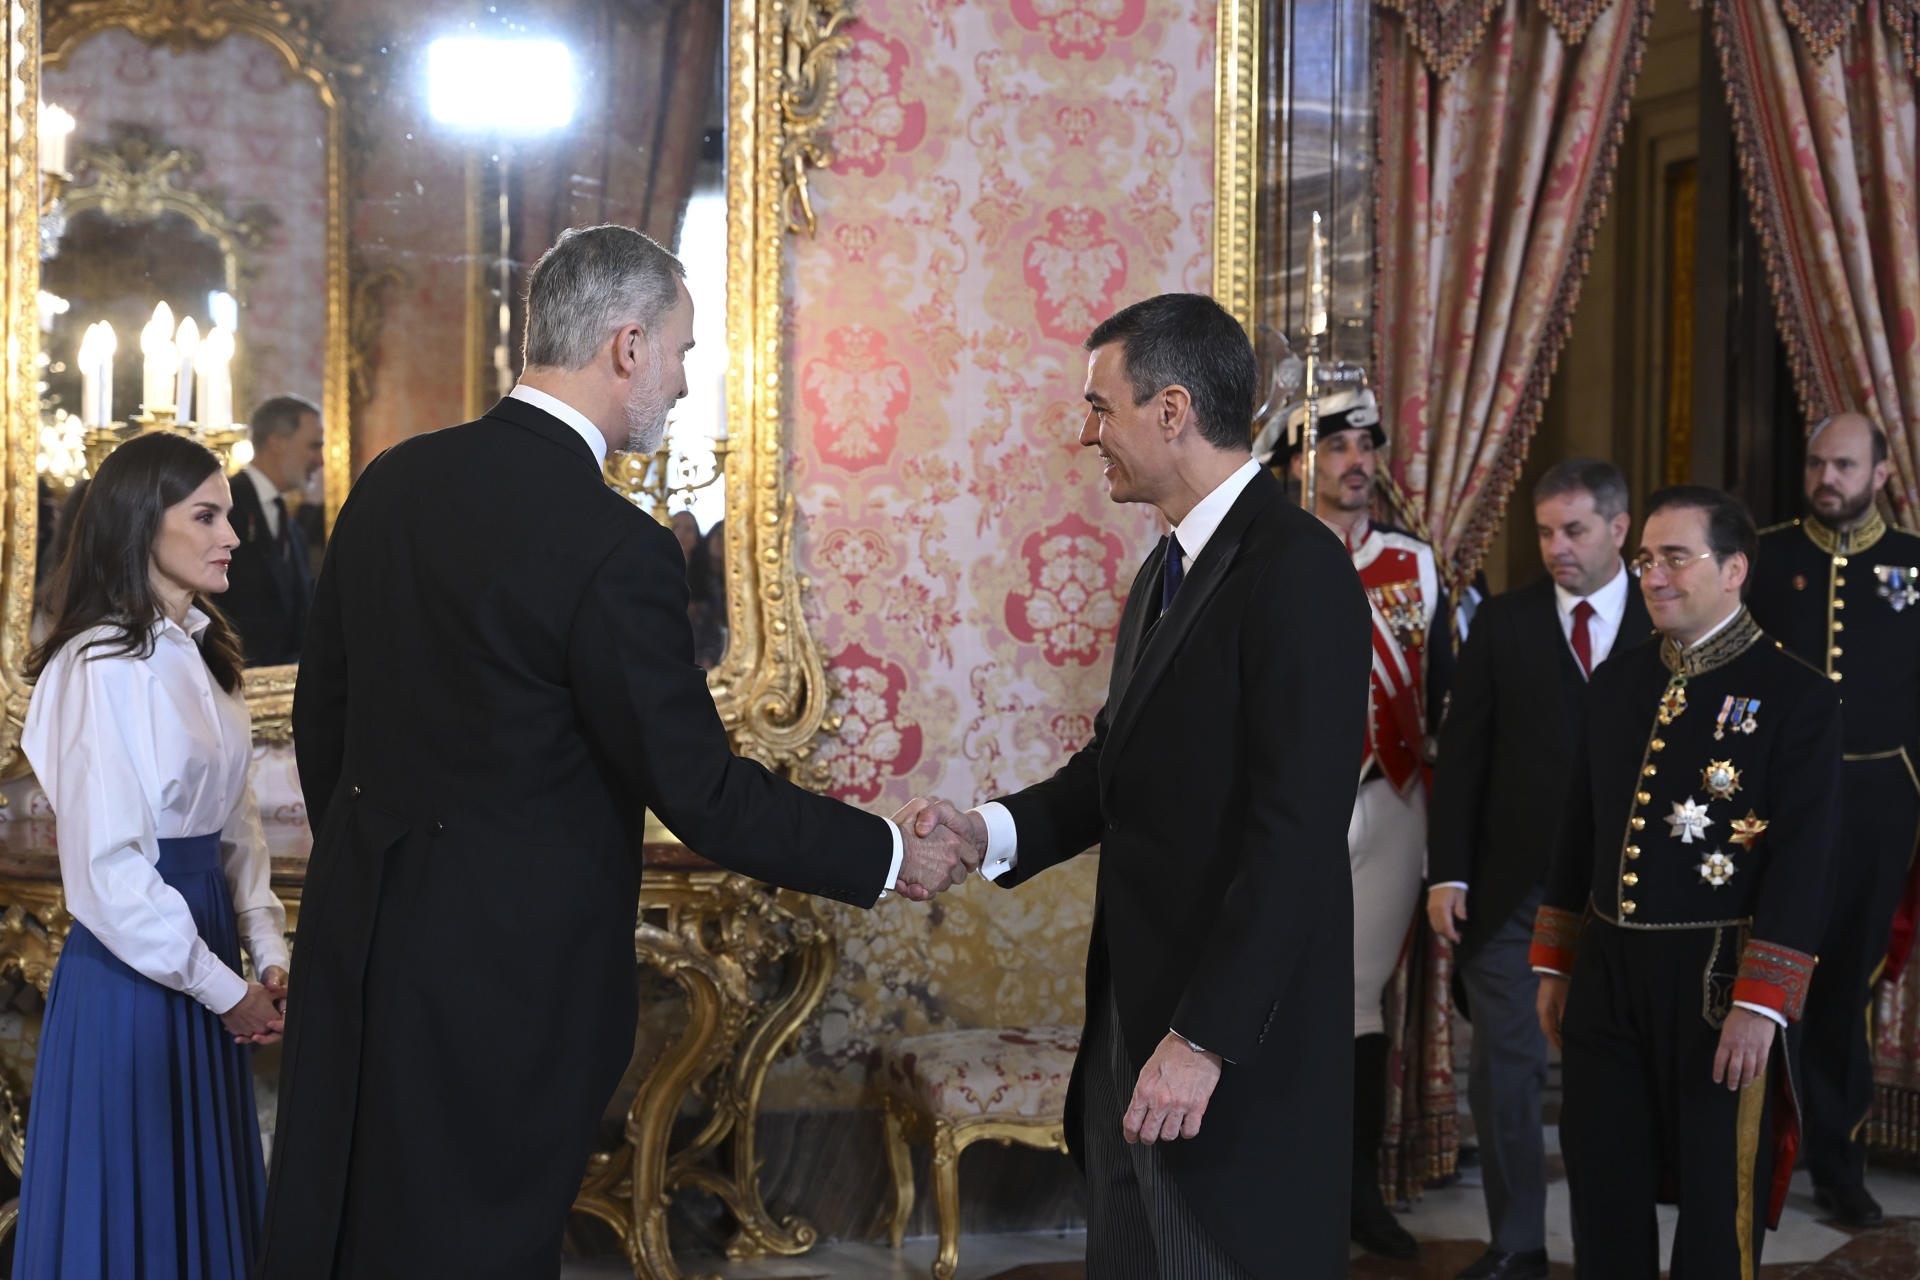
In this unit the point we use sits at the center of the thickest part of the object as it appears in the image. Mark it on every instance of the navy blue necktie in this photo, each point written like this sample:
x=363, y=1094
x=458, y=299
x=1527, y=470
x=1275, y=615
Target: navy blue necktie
x=1171, y=575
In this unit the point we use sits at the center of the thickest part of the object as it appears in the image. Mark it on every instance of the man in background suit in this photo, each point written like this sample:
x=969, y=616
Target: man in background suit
x=1217, y=783
x=1498, y=789
x=498, y=683
x=270, y=583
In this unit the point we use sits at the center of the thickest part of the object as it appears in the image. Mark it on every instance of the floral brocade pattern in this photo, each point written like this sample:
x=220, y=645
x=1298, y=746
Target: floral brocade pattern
x=1009, y=1071
x=1007, y=173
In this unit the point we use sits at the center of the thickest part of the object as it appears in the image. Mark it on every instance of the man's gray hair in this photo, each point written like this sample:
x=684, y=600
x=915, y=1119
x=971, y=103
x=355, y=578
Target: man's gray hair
x=592, y=282
x=279, y=416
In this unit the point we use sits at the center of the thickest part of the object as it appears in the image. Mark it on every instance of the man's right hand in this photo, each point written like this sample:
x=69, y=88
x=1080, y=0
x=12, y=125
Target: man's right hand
x=936, y=857
x=1551, y=1004
x=1447, y=904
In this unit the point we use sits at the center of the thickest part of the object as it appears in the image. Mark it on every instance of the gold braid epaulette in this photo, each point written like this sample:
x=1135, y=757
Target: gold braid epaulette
x=1852, y=541
x=1733, y=640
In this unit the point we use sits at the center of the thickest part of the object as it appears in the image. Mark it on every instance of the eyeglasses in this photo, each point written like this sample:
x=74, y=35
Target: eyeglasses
x=1671, y=561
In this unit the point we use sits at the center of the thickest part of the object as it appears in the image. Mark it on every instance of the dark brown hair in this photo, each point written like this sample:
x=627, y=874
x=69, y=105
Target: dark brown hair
x=105, y=576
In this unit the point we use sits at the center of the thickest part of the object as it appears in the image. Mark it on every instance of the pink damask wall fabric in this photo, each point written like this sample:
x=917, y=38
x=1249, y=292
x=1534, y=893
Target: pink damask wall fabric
x=1007, y=174
x=1826, y=139
x=1490, y=183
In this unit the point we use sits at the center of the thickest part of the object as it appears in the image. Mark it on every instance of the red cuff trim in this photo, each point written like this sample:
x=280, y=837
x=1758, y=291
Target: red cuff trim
x=1775, y=977
x=1555, y=935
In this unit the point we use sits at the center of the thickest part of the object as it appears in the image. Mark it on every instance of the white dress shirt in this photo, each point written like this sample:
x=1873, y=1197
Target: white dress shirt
x=132, y=751
x=1609, y=607
x=268, y=492
x=566, y=413
x=598, y=443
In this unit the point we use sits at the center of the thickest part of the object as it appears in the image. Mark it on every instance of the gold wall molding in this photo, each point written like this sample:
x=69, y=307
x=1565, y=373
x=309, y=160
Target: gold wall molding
x=19, y=318
x=813, y=45
x=1236, y=105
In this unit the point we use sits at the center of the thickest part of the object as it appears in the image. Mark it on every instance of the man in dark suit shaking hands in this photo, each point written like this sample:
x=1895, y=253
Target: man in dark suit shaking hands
x=1501, y=782
x=1212, y=1100
x=499, y=679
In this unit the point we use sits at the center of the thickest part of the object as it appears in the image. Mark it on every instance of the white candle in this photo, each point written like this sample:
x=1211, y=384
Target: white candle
x=215, y=392
x=187, y=342
x=107, y=343
x=162, y=362
x=55, y=125
x=89, y=362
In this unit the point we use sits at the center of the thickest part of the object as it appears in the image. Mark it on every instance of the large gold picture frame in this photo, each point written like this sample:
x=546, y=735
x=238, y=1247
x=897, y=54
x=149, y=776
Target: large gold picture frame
x=771, y=688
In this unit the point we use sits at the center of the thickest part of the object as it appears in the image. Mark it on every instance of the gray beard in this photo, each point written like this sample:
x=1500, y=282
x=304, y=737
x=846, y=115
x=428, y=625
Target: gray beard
x=647, y=427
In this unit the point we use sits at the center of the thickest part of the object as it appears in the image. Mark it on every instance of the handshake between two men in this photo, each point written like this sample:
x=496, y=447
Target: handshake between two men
x=941, y=846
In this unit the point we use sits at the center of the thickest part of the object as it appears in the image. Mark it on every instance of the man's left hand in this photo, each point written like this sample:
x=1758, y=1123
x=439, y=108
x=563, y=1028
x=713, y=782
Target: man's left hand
x=1171, y=1095
x=1745, y=1040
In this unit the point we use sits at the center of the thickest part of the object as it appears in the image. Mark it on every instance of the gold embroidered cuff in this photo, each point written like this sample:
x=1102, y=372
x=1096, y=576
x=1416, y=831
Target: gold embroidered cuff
x=1555, y=935
x=1773, y=976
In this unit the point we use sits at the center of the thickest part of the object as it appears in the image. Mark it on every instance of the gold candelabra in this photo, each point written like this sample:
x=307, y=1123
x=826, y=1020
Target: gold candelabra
x=653, y=480
x=102, y=441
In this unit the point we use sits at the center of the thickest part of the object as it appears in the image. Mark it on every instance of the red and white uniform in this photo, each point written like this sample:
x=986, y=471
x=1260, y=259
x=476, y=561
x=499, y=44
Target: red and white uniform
x=1387, y=837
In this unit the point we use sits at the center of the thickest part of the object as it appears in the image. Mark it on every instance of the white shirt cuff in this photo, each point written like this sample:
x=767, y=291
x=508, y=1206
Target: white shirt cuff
x=899, y=856
x=1449, y=884
x=1761, y=1009
x=1003, y=840
x=222, y=989
x=1545, y=972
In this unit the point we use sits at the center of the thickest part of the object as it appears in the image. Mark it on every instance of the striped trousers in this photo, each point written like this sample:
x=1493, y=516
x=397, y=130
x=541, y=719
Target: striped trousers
x=1138, y=1225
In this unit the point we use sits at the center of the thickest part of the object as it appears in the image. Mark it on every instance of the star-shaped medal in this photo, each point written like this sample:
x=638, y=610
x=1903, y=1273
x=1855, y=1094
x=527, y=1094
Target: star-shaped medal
x=1673, y=701
x=1746, y=830
x=1720, y=779
x=1689, y=820
x=1716, y=869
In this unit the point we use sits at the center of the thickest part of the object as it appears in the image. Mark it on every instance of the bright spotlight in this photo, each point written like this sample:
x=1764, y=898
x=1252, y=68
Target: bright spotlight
x=517, y=86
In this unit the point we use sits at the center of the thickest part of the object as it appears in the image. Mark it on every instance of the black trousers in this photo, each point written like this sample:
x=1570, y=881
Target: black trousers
x=1865, y=877
x=1641, y=1113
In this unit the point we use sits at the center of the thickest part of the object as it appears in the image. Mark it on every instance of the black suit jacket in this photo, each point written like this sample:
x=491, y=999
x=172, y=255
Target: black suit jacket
x=1219, y=783
x=498, y=681
x=1501, y=780
x=268, y=592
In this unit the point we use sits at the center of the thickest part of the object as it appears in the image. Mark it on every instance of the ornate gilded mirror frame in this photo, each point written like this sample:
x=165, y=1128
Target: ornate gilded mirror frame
x=771, y=689
x=1236, y=168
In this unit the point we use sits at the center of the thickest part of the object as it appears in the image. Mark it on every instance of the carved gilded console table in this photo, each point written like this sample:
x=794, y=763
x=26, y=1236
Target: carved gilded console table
x=720, y=937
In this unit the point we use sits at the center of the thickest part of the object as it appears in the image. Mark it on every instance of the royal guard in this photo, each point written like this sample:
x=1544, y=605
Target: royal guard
x=1677, y=934
x=1387, y=838
x=1842, y=590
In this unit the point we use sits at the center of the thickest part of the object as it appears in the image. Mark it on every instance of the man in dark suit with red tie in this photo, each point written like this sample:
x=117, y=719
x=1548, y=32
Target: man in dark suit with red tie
x=270, y=583
x=1499, y=786
x=1211, y=1103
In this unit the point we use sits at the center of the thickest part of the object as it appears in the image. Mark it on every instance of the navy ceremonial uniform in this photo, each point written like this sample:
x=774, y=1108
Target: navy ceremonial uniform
x=1849, y=603
x=1689, y=875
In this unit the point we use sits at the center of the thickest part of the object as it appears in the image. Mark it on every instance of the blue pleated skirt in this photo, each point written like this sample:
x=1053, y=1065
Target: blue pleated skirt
x=143, y=1151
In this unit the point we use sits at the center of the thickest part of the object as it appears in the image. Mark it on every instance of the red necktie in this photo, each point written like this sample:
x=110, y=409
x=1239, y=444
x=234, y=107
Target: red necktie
x=1582, y=638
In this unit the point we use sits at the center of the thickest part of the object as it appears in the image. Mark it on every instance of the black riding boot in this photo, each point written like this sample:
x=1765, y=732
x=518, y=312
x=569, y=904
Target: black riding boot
x=1372, y=1225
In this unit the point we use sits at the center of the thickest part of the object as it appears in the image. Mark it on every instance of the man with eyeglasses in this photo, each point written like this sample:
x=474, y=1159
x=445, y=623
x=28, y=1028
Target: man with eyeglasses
x=1839, y=588
x=1676, y=937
